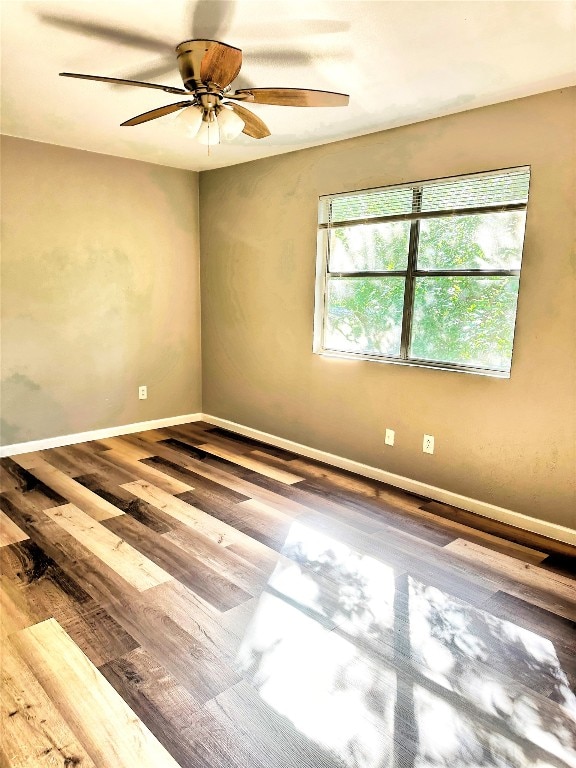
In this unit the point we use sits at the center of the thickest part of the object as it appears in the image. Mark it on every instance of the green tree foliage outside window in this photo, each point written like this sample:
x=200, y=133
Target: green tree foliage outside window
x=427, y=289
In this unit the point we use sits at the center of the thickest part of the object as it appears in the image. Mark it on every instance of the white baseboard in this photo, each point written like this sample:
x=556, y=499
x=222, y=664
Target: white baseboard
x=96, y=434
x=551, y=530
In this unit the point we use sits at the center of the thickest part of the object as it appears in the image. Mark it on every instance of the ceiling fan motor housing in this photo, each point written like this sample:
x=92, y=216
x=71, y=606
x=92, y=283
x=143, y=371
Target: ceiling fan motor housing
x=208, y=64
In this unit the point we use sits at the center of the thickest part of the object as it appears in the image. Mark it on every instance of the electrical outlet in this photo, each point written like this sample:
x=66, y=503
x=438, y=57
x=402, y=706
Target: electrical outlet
x=389, y=438
x=143, y=392
x=428, y=444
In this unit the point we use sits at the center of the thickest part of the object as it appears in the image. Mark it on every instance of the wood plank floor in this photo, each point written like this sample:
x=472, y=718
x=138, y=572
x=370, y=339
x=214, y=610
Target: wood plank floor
x=189, y=597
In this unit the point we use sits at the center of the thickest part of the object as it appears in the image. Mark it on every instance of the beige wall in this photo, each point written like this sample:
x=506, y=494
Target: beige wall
x=507, y=442
x=100, y=291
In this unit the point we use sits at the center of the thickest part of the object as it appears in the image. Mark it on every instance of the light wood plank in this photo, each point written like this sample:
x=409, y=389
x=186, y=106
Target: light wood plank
x=127, y=449
x=28, y=460
x=14, y=615
x=147, y=473
x=154, y=435
x=33, y=733
x=257, y=466
x=88, y=502
x=126, y=561
x=80, y=460
x=9, y=531
x=112, y=734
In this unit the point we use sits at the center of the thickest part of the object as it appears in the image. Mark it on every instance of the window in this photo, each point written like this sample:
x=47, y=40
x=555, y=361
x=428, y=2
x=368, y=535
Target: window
x=423, y=274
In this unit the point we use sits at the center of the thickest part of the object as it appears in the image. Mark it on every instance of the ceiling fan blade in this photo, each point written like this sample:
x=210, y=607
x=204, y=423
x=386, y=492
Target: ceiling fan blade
x=92, y=29
x=291, y=97
x=253, y=126
x=154, y=113
x=208, y=61
x=212, y=20
x=119, y=81
x=156, y=68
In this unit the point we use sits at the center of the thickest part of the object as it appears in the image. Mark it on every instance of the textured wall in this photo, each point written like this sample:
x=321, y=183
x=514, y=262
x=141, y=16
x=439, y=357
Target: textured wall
x=100, y=291
x=507, y=442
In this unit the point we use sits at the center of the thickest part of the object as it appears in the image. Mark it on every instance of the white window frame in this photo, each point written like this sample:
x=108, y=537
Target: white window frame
x=410, y=273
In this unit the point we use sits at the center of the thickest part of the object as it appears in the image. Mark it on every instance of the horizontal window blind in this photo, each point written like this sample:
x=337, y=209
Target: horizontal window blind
x=504, y=188
x=482, y=190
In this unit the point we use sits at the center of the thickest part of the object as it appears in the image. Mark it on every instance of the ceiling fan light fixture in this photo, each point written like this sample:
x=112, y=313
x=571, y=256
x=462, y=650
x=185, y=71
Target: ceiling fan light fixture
x=208, y=67
x=230, y=124
x=190, y=120
x=209, y=133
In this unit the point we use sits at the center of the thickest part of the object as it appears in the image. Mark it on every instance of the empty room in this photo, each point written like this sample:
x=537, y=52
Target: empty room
x=288, y=384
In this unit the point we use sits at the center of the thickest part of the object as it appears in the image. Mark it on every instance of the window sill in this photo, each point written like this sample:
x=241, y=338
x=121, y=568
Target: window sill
x=430, y=364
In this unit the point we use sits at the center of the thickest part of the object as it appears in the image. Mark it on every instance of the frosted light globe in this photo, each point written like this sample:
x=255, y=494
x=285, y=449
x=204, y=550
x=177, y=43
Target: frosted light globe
x=190, y=119
x=231, y=125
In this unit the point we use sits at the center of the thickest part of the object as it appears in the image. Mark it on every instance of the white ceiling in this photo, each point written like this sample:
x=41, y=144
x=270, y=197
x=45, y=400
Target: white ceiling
x=401, y=62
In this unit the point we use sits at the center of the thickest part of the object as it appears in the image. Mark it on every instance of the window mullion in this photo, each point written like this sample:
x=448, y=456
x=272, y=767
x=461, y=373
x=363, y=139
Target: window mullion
x=410, y=279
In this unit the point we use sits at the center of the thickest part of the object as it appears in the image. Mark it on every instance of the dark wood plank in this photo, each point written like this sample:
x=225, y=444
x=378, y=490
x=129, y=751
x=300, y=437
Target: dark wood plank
x=236, y=437
x=259, y=522
x=374, y=510
x=509, y=532
x=209, y=490
x=22, y=482
x=563, y=564
x=16, y=478
x=136, y=470
x=137, y=508
x=230, y=565
x=162, y=704
x=46, y=591
x=550, y=591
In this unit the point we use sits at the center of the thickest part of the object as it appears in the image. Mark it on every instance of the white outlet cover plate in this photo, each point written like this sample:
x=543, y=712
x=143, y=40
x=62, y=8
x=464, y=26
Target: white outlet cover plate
x=143, y=393
x=389, y=437
x=428, y=444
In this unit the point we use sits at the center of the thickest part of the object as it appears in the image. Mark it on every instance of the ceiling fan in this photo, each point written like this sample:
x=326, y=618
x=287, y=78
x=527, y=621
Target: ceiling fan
x=207, y=68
